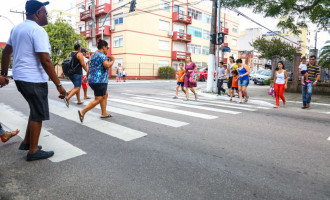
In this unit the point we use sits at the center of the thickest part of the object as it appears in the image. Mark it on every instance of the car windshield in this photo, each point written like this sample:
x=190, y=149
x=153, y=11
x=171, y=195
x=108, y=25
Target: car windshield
x=260, y=71
x=201, y=69
x=266, y=73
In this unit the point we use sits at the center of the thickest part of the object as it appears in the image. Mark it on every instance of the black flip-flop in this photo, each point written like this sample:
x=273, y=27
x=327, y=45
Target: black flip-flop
x=106, y=116
x=80, y=116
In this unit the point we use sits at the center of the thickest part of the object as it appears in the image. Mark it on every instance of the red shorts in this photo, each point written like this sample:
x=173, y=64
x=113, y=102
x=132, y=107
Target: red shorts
x=84, y=85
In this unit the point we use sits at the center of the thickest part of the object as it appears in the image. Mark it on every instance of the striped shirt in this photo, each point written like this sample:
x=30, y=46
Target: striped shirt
x=313, y=71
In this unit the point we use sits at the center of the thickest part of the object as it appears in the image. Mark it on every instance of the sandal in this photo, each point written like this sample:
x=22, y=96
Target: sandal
x=108, y=116
x=80, y=103
x=246, y=99
x=81, y=117
x=11, y=134
x=239, y=102
x=87, y=98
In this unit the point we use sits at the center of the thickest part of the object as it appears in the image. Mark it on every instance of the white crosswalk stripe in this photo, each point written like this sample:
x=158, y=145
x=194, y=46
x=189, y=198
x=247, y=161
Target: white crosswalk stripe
x=93, y=121
x=16, y=120
x=146, y=117
x=172, y=110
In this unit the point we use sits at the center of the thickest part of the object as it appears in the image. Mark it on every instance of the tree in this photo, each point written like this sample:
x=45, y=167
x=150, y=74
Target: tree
x=296, y=12
x=274, y=47
x=11, y=58
x=325, y=55
x=62, y=38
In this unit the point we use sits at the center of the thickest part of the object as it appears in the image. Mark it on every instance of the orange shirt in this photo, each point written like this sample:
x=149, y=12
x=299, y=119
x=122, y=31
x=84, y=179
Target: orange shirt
x=180, y=74
x=235, y=83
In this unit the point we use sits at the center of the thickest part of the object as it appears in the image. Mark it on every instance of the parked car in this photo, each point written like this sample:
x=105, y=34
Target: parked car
x=253, y=76
x=203, y=73
x=262, y=77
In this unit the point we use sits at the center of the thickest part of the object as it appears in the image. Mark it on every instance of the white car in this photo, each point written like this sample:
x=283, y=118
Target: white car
x=262, y=77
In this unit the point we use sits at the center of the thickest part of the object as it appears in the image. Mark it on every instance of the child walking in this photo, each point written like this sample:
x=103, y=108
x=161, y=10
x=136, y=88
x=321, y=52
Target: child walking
x=303, y=71
x=234, y=84
x=180, y=82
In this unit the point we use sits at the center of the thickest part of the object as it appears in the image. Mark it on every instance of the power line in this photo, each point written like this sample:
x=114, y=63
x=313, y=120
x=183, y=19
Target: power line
x=243, y=15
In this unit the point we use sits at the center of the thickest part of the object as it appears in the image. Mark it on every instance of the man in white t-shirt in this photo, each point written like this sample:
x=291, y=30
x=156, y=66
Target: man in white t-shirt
x=32, y=66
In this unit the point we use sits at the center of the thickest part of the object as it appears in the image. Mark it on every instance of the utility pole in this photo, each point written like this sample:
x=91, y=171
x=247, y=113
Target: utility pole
x=23, y=13
x=93, y=24
x=218, y=52
x=315, y=39
x=210, y=81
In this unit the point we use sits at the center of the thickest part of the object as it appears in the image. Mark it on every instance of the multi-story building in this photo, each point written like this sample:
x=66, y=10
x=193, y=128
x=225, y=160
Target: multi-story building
x=159, y=33
x=68, y=17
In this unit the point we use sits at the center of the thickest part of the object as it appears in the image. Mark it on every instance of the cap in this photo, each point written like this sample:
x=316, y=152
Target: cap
x=32, y=6
x=82, y=50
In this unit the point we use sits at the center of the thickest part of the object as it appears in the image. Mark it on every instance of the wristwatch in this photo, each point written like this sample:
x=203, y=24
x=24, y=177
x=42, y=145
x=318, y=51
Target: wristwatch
x=3, y=74
x=58, y=85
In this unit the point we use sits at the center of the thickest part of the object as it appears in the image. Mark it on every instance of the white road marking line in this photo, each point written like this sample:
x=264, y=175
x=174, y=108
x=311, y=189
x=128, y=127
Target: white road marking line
x=298, y=102
x=146, y=117
x=327, y=113
x=16, y=120
x=329, y=138
x=199, y=102
x=172, y=110
x=93, y=121
x=190, y=106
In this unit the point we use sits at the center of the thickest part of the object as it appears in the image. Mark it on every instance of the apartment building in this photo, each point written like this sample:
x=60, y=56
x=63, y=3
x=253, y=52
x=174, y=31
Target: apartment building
x=159, y=33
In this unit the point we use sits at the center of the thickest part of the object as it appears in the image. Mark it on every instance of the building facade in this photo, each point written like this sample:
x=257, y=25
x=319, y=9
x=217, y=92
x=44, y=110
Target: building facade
x=159, y=33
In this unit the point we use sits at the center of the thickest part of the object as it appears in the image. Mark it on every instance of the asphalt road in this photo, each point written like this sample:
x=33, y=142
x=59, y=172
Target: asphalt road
x=155, y=147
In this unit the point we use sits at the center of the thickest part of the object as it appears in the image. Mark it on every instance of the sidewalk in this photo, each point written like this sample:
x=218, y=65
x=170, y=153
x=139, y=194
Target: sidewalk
x=258, y=94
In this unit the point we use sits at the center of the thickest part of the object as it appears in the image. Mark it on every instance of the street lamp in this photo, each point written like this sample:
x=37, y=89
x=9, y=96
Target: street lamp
x=8, y=20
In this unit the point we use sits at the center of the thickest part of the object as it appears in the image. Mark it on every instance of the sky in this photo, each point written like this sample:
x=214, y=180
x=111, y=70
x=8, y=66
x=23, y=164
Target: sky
x=19, y=5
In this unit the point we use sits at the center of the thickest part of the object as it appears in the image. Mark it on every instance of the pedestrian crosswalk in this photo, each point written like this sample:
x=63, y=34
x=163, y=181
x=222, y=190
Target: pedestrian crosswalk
x=159, y=110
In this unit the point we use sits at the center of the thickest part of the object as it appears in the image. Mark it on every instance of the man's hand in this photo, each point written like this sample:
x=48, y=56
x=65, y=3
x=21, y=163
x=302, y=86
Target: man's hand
x=3, y=81
x=62, y=92
x=315, y=82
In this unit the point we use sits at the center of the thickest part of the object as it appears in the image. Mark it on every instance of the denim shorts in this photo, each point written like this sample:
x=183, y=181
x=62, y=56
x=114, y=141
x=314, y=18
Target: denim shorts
x=180, y=84
x=100, y=89
x=244, y=82
x=303, y=72
x=76, y=79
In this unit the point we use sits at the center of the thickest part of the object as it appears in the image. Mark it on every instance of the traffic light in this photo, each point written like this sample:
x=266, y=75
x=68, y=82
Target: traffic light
x=132, y=8
x=221, y=38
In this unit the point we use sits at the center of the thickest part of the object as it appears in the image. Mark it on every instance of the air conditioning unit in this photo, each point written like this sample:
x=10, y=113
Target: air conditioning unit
x=170, y=33
x=112, y=27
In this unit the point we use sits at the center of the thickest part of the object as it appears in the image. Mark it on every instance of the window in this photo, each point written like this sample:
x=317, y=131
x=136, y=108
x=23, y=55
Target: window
x=164, y=5
x=163, y=63
x=118, y=41
x=194, y=49
x=81, y=28
x=164, y=25
x=206, y=50
x=90, y=25
x=107, y=21
x=235, y=29
x=118, y=19
x=164, y=45
x=207, y=18
x=206, y=34
x=195, y=14
x=234, y=42
x=196, y=32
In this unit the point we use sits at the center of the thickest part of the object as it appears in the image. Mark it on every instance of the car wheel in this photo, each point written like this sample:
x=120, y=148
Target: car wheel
x=255, y=83
x=203, y=78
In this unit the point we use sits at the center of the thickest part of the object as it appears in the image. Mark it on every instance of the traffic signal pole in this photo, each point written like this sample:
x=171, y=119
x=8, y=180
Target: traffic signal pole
x=218, y=51
x=210, y=81
x=132, y=9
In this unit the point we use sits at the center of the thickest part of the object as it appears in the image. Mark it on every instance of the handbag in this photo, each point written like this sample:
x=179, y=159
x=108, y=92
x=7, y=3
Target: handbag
x=271, y=92
x=192, y=77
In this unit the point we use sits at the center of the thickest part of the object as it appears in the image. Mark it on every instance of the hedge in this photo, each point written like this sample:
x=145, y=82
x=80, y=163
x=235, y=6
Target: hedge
x=166, y=72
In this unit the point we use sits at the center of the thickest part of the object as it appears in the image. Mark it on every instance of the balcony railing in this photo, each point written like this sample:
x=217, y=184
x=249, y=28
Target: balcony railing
x=178, y=17
x=102, y=9
x=87, y=33
x=86, y=15
x=179, y=55
x=224, y=30
x=178, y=36
x=106, y=31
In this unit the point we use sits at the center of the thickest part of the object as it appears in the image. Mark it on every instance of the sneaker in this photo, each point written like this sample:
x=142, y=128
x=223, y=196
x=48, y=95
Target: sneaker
x=26, y=147
x=39, y=155
x=175, y=97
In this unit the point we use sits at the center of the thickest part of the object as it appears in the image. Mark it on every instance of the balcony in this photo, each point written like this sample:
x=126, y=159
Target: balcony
x=177, y=17
x=106, y=31
x=224, y=30
x=102, y=9
x=225, y=44
x=180, y=55
x=178, y=36
x=87, y=33
x=86, y=15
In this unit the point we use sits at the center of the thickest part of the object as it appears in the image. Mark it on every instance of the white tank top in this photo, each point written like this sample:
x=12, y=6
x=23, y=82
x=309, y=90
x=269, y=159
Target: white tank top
x=280, y=78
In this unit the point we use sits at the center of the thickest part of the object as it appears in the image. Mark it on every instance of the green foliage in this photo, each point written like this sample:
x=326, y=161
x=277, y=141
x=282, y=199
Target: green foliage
x=325, y=56
x=296, y=12
x=62, y=38
x=166, y=72
x=11, y=58
x=267, y=82
x=274, y=47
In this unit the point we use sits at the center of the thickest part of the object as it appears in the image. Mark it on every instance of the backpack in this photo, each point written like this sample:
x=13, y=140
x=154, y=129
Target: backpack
x=67, y=65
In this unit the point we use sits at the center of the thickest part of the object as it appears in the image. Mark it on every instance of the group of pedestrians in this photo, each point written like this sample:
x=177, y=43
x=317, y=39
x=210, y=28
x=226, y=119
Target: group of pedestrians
x=32, y=67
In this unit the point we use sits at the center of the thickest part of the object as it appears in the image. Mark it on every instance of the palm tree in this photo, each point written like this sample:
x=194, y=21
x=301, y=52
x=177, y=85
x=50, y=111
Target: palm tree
x=325, y=55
